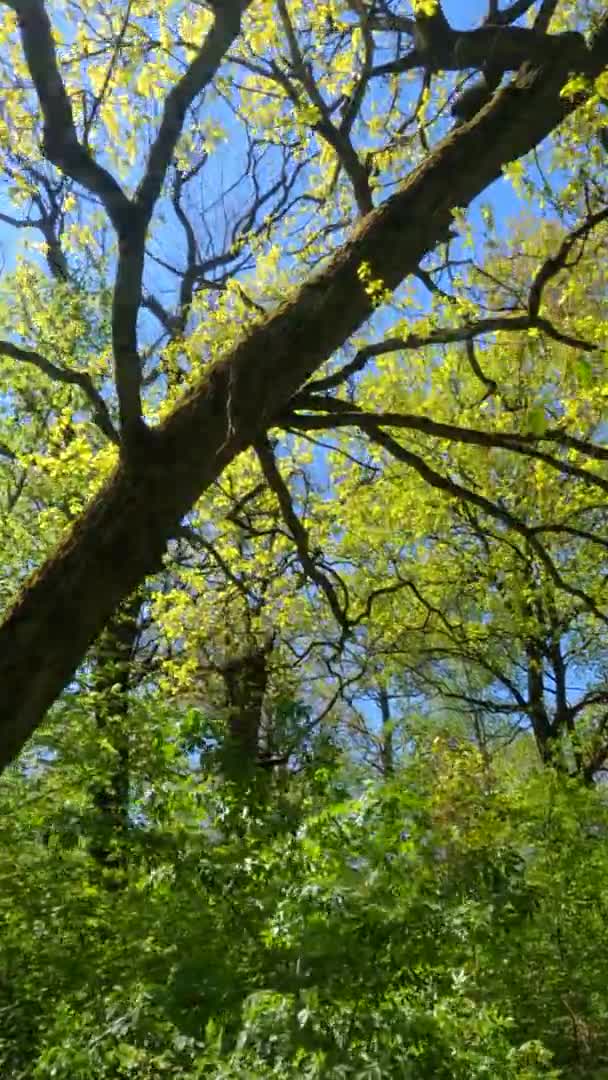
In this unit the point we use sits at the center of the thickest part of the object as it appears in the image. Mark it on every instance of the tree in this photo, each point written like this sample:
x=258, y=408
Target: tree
x=62, y=100
x=469, y=608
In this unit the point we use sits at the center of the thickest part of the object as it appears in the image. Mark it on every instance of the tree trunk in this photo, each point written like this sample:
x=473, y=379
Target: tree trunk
x=111, y=681
x=387, y=750
x=537, y=711
x=245, y=679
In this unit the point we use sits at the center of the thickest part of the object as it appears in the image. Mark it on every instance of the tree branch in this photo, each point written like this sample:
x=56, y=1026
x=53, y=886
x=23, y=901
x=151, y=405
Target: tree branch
x=499, y=513
x=508, y=324
x=82, y=379
x=61, y=145
x=130, y=219
x=336, y=137
x=342, y=414
x=299, y=534
x=225, y=28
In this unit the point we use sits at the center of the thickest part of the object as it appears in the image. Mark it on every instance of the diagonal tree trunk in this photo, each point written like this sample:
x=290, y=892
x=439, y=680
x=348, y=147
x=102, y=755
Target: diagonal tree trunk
x=122, y=535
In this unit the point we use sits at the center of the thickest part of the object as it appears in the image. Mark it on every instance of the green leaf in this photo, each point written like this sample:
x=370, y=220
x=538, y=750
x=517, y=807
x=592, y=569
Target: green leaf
x=536, y=420
x=584, y=371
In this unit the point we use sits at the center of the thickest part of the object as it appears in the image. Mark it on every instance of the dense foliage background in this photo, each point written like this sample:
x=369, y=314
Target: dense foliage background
x=448, y=922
